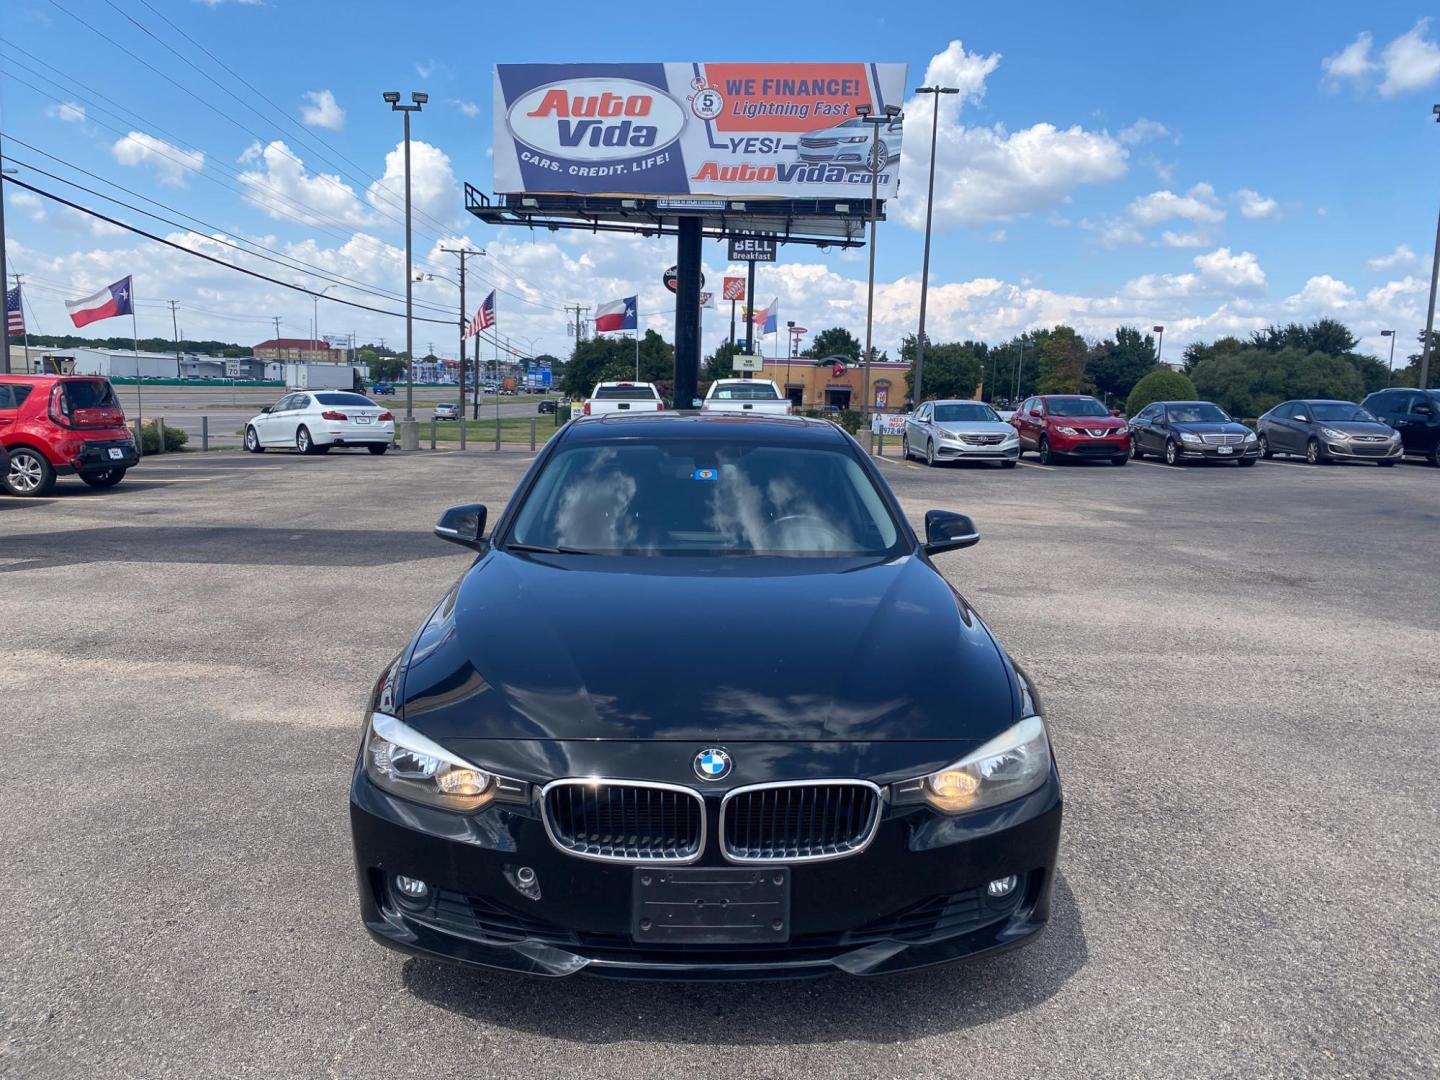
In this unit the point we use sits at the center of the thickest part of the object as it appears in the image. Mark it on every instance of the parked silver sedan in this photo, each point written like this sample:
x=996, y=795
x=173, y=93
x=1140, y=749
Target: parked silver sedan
x=960, y=431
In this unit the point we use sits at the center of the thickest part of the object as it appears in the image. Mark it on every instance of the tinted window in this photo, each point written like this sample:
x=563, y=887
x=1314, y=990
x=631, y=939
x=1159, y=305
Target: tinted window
x=1076, y=407
x=625, y=393
x=706, y=498
x=1200, y=413
x=1283, y=412
x=964, y=411
x=343, y=399
x=1338, y=412
x=746, y=391
x=90, y=394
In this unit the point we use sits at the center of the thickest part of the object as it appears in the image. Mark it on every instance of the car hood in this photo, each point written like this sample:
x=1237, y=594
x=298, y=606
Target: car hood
x=1095, y=423
x=705, y=650
x=975, y=427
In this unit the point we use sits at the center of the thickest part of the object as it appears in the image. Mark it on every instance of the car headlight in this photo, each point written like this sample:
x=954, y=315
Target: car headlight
x=1189, y=436
x=1014, y=763
x=400, y=760
x=1331, y=433
x=1067, y=431
x=1250, y=436
x=858, y=138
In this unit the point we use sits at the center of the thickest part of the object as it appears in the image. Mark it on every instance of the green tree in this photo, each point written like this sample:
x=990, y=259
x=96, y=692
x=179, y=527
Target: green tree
x=1015, y=366
x=1197, y=351
x=1062, y=362
x=1162, y=384
x=612, y=359
x=1115, y=366
x=721, y=363
x=1251, y=381
x=952, y=370
x=836, y=341
x=386, y=368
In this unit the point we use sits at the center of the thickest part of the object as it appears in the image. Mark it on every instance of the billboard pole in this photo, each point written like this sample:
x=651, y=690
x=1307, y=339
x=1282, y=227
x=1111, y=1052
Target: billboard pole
x=750, y=318
x=687, y=311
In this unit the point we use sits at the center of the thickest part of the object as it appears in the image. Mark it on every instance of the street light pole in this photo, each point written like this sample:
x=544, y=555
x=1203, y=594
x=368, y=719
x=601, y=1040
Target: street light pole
x=892, y=114
x=1160, y=345
x=1019, y=364
x=937, y=91
x=409, y=427
x=315, y=317
x=5, y=283
x=1390, y=369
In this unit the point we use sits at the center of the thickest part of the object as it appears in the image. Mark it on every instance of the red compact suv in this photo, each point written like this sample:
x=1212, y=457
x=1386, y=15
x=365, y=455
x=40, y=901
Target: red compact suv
x=1071, y=425
x=61, y=425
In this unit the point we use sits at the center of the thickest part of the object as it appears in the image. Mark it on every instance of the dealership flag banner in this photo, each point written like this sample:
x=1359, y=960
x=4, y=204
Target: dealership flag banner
x=786, y=130
x=14, y=314
x=617, y=315
x=109, y=302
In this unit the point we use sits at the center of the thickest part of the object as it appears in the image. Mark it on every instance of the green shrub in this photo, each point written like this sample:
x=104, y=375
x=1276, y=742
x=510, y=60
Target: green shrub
x=562, y=415
x=1160, y=385
x=851, y=419
x=150, y=439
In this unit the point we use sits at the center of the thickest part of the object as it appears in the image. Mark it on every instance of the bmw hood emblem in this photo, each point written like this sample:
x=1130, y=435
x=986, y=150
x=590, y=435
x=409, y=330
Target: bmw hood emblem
x=712, y=764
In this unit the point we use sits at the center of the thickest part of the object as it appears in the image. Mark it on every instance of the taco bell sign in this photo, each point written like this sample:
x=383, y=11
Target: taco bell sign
x=720, y=130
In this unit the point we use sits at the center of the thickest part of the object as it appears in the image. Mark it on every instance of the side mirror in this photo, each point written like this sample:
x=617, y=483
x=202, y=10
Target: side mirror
x=1301, y=418
x=463, y=525
x=266, y=409
x=947, y=531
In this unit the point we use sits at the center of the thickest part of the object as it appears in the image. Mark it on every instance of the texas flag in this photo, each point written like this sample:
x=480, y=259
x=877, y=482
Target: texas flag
x=109, y=302
x=617, y=315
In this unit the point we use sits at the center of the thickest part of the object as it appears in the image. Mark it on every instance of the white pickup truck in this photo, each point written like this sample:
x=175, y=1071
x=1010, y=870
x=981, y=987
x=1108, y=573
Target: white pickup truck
x=623, y=397
x=746, y=397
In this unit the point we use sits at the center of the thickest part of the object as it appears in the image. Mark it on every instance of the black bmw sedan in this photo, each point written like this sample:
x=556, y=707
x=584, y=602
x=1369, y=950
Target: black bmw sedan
x=703, y=708
x=1185, y=431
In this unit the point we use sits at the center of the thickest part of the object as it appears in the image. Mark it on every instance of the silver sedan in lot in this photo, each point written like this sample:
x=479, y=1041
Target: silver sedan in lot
x=960, y=431
x=1328, y=431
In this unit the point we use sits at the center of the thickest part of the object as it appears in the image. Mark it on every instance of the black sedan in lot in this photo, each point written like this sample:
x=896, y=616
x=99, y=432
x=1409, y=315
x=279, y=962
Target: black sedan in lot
x=703, y=708
x=1324, y=431
x=1185, y=431
x=1415, y=414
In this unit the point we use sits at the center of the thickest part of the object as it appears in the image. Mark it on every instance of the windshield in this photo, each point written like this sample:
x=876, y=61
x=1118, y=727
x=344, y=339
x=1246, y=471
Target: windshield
x=624, y=393
x=746, y=391
x=1340, y=411
x=343, y=399
x=1075, y=407
x=947, y=414
x=90, y=394
x=706, y=498
x=1203, y=413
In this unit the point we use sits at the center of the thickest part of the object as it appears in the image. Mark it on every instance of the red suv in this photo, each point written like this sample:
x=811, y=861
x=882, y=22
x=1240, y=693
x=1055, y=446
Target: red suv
x=58, y=425
x=1071, y=425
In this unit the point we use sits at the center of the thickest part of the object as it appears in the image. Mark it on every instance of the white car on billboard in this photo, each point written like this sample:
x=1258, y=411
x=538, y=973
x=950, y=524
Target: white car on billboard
x=849, y=144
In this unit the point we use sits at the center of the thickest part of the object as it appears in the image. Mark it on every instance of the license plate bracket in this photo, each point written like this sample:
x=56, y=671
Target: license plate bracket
x=1224, y=449
x=116, y=454
x=701, y=905
x=363, y=420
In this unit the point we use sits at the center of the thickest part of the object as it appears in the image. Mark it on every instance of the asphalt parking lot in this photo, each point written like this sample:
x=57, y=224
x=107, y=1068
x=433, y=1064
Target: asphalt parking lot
x=1240, y=676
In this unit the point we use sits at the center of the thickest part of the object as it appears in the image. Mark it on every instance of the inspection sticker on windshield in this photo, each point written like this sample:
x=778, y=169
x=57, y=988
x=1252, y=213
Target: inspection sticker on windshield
x=705, y=474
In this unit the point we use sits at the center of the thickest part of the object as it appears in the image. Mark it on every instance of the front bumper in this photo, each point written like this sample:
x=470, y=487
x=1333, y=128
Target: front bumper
x=1205, y=452
x=949, y=451
x=914, y=898
x=1082, y=446
x=1351, y=451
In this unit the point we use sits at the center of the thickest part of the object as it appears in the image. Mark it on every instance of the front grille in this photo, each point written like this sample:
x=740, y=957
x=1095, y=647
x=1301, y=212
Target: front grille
x=818, y=144
x=1377, y=448
x=982, y=440
x=1222, y=440
x=798, y=821
x=621, y=821
x=1102, y=433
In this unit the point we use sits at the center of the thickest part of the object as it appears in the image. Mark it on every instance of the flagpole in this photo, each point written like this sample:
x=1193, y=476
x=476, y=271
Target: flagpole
x=139, y=393
x=637, y=342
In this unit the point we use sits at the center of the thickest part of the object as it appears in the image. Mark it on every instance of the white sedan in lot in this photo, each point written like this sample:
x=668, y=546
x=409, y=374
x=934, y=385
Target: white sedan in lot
x=315, y=420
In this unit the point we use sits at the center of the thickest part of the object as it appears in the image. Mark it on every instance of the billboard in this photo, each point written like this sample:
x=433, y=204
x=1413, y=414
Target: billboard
x=733, y=131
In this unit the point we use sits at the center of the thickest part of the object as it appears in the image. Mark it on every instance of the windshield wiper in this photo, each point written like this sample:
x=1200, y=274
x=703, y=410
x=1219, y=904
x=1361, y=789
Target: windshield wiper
x=542, y=549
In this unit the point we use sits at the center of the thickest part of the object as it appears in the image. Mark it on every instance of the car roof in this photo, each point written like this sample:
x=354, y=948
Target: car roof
x=954, y=401
x=37, y=380
x=1067, y=397
x=1197, y=401
x=666, y=426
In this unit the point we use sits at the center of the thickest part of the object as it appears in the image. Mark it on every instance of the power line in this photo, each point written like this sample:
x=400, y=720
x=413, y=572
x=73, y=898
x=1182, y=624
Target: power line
x=286, y=261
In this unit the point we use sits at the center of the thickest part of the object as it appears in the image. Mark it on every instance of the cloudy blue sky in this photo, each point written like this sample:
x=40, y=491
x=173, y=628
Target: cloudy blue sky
x=1212, y=168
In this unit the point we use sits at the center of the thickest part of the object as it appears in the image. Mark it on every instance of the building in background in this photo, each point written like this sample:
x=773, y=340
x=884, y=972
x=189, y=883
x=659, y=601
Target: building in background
x=812, y=386
x=304, y=349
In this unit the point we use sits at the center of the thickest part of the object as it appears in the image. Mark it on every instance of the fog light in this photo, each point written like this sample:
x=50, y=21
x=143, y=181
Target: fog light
x=413, y=888
x=1002, y=886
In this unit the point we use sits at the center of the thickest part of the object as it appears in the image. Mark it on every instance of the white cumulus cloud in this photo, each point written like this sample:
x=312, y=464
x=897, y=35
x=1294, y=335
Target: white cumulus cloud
x=1399, y=259
x=1409, y=62
x=1220, y=272
x=68, y=112
x=322, y=110
x=1255, y=205
x=1142, y=130
x=434, y=190
x=283, y=188
x=171, y=164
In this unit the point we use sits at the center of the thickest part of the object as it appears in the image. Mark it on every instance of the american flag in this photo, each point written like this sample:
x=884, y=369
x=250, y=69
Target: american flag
x=484, y=318
x=14, y=314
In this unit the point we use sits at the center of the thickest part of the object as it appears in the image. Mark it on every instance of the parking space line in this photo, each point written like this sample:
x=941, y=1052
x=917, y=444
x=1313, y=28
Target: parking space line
x=1033, y=465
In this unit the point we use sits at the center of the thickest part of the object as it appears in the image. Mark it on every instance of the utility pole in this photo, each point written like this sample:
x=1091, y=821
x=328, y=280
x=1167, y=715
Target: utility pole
x=464, y=254
x=936, y=91
x=891, y=116
x=276, y=320
x=174, y=326
x=4, y=277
